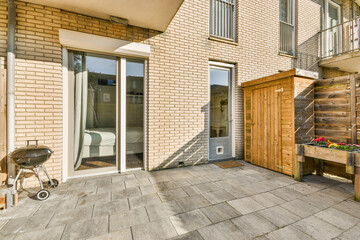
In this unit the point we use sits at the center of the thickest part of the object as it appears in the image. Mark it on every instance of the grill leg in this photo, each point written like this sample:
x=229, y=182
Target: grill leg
x=38, y=176
x=16, y=178
x=51, y=182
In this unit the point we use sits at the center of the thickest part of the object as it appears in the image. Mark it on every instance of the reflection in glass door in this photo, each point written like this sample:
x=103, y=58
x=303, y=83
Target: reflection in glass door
x=94, y=112
x=134, y=114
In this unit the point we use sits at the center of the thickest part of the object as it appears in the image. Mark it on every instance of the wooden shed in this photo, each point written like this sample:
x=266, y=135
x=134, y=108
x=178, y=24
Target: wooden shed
x=279, y=112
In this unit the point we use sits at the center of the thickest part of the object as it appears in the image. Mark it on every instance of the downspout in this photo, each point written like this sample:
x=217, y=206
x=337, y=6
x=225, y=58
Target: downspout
x=10, y=117
x=353, y=9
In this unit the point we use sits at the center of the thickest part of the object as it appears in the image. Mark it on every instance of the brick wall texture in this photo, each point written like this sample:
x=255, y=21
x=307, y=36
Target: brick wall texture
x=178, y=85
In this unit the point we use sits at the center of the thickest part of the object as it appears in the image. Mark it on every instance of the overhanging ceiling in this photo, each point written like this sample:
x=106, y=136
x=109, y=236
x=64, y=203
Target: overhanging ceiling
x=153, y=14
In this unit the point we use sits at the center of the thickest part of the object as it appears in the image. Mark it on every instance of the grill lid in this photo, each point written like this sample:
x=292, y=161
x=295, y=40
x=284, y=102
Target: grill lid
x=31, y=155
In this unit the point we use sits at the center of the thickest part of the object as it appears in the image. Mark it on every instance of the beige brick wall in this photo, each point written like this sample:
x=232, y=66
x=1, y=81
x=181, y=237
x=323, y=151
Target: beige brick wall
x=178, y=84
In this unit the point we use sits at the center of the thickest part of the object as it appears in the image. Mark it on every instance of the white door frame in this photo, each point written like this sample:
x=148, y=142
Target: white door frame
x=67, y=171
x=231, y=67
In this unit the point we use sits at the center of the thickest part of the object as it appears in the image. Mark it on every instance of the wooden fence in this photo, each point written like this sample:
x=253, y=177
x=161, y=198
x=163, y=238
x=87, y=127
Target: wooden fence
x=2, y=124
x=337, y=105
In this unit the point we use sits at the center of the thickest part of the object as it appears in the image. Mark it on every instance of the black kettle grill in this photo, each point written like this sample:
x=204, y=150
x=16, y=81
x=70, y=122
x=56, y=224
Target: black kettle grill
x=31, y=158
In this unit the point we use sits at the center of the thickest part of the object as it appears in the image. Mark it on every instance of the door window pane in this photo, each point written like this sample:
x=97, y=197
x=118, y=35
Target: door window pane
x=219, y=103
x=134, y=113
x=94, y=110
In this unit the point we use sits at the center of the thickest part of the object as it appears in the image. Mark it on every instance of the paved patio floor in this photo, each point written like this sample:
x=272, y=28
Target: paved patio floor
x=201, y=202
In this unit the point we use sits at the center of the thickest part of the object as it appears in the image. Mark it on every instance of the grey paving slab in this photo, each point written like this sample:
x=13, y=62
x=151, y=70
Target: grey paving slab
x=350, y=207
x=221, y=231
x=238, y=192
x=194, y=235
x=172, y=194
x=154, y=188
x=159, y=179
x=163, y=210
x=123, y=220
x=321, y=199
x=124, y=234
x=137, y=182
x=218, y=196
x=300, y=208
x=191, y=190
x=220, y=212
x=305, y=188
x=268, y=199
x=246, y=205
x=128, y=192
x=18, y=212
x=13, y=226
x=278, y=216
x=53, y=233
x=176, y=183
x=71, y=215
x=93, y=199
x=107, y=208
x=198, y=180
x=111, y=188
x=286, y=233
x=189, y=221
x=122, y=178
x=193, y=202
x=86, y=229
x=159, y=229
x=144, y=200
x=253, y=225
x=351, y=234
x=208, y=187
x=287, y=193
x=317, y=228
x=337, y=218
x=7, y=237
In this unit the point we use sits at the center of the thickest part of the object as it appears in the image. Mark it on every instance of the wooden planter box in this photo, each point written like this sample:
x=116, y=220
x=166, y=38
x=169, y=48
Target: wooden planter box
x=350, y=159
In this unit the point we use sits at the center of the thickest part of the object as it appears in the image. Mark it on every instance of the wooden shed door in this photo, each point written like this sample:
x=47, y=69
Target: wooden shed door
x=266, y=127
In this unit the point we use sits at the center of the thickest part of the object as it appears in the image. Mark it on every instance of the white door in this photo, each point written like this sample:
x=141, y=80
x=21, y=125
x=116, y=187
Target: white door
x=221, y=113
x=334, y=29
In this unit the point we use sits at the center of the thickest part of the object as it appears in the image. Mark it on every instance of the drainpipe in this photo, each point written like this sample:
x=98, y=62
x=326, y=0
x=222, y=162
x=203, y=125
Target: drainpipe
x=10, y=117
x=353, y=9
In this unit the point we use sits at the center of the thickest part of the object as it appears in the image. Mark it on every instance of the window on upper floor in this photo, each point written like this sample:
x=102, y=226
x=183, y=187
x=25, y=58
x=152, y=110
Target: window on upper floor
x=287, y=26
x=222, y=19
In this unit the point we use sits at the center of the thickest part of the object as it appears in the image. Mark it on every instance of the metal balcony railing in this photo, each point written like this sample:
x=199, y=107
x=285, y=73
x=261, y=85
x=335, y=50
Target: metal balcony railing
x=341, y=38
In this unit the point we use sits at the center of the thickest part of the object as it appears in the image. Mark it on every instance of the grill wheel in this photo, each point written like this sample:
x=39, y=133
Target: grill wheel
x=42, y=195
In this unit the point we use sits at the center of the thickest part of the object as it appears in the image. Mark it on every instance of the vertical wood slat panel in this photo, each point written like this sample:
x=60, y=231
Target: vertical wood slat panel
x=3, y=120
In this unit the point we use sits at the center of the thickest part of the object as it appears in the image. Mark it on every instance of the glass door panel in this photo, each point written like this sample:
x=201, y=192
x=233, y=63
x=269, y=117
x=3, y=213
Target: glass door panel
x=94, y=110
x=134, y=114
x=219, y=107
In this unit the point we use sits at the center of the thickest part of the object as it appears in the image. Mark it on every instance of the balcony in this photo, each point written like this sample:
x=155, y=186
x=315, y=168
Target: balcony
x=340, y=46
x=155, y=14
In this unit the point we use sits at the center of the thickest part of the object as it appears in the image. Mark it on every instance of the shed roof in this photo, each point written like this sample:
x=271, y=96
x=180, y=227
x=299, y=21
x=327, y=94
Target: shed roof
x=293, y=72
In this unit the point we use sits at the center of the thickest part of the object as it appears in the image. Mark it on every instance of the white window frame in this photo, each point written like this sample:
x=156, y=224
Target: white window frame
x=219, y=32
x=294, y=31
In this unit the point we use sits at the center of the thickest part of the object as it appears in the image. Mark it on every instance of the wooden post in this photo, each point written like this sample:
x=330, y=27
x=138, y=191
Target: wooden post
x=357, y=184
x=353, y=109
x=299, y=159
x=319, y=165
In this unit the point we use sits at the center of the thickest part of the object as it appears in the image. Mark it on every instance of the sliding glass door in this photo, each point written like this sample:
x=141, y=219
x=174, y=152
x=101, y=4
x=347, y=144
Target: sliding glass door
x=134, y=114
x=97, y=124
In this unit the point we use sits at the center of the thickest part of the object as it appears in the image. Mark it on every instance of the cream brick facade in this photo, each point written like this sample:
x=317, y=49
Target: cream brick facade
x=178, y=85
